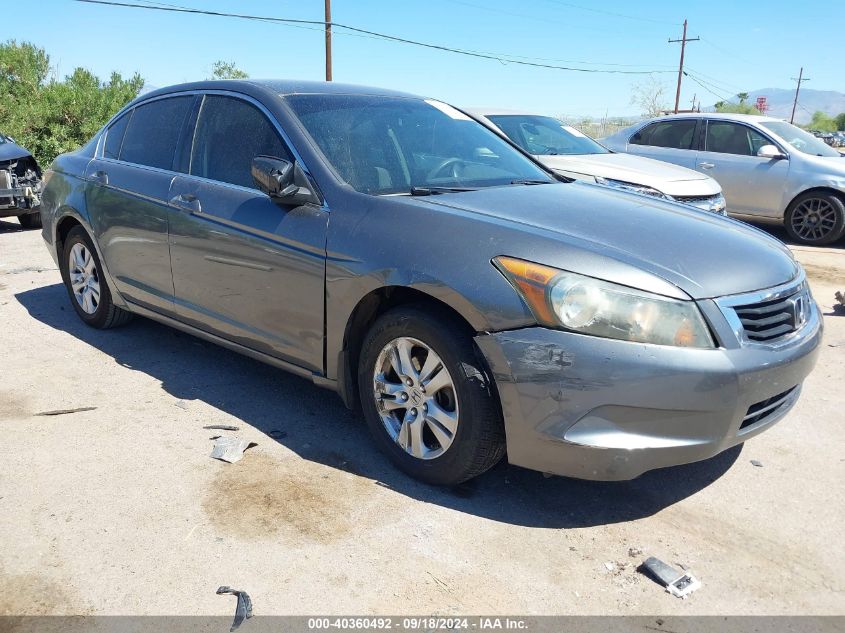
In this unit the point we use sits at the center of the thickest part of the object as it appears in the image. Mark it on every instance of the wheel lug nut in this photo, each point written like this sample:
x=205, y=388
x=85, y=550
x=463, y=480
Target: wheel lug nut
x=404, y=397
x=408, y=382
x=413, y=412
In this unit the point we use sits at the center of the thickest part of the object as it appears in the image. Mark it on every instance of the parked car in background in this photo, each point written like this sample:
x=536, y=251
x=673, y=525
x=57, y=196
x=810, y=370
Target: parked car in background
x=770, y=170
x=473, y=304
x=20, y=184
x=572, y=153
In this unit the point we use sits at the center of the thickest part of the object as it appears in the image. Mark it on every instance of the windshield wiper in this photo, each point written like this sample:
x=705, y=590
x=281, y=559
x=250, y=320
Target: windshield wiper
x=431, y=191
x=531, y=182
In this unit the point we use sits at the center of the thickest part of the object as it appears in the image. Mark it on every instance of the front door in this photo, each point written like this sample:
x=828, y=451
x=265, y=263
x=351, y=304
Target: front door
x=244, y=267
x=752, y=185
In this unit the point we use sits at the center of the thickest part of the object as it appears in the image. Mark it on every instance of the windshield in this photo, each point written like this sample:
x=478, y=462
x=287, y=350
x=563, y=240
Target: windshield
x=388, y=145
x=799, y=139
x=543, y=135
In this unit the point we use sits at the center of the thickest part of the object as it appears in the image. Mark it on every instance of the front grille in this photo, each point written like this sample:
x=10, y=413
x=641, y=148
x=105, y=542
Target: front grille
x=696, y=199
x=772, y=319
x=763, y=409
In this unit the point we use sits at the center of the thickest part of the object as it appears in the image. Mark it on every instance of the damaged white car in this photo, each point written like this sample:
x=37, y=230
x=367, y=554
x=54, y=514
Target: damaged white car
x=20, y=184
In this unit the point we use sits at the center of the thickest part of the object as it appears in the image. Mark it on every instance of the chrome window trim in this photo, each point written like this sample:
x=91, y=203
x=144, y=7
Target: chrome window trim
x=98, y=153
x=798, y=285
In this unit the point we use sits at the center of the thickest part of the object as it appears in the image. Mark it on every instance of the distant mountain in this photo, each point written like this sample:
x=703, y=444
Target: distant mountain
x=779, y=101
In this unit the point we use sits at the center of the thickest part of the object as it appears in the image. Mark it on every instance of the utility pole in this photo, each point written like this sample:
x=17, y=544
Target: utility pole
x=801, y=78
x=328, y=40
x=683, y=42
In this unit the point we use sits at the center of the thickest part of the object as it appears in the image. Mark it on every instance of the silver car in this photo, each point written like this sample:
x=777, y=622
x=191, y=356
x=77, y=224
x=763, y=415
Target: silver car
x=570, y=152
x=770, y=170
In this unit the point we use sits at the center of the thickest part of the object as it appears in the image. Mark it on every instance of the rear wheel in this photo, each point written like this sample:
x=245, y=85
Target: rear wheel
x=30, y=220
x=816, y=218
x=427, y=399
x=89, y=292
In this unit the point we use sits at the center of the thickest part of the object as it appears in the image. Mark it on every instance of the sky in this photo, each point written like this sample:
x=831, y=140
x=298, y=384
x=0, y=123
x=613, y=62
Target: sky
x=744, y=46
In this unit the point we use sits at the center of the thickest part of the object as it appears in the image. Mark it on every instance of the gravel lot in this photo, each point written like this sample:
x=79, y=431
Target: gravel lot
x=120, y=510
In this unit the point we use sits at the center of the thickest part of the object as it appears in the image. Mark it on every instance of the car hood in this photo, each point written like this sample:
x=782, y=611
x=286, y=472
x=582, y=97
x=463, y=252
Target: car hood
x=701, y=254
x=12, y=151
x=666, y=177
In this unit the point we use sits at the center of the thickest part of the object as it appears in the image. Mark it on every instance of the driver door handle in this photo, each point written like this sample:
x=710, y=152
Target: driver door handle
x=100, y=177
x=706, y=165
x=188, y=202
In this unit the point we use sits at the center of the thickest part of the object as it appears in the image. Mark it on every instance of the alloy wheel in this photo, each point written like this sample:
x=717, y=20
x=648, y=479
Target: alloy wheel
x=84, y=279
x=813, y=219
x=416, y=398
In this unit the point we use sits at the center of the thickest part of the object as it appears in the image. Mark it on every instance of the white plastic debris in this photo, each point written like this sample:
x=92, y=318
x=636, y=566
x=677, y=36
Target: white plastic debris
x=229, y=449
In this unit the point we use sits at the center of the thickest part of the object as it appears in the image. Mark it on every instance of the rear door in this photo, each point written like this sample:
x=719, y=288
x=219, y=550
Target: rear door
x=672, y=140
x=752, y=185
x=244, y=267
x=127, y=199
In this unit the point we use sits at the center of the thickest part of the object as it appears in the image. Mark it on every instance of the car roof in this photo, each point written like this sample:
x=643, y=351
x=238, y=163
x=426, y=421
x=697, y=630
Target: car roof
x=282, y=87
x=727, y=116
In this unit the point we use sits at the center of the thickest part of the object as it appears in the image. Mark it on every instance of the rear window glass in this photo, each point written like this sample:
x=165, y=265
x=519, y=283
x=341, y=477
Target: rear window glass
x=671, y=134
x=154, y=131
x=114, y=136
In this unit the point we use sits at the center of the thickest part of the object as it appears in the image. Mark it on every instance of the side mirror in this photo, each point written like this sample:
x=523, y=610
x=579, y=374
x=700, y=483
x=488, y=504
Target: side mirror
x=770, y=151
x=282, y=180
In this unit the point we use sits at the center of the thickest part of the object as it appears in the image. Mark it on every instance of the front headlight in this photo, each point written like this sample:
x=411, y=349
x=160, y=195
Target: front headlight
x=632, y=186
x=578, y=303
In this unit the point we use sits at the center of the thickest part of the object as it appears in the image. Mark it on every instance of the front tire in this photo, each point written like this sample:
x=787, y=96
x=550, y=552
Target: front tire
x=89, y=293
x=428, y=400
x=816, y=219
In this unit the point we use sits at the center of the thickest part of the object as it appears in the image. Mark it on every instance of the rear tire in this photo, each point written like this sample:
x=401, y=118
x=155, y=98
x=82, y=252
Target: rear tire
x=30, y=220
x=815, y=218
x=415, y=412
x=89, y=293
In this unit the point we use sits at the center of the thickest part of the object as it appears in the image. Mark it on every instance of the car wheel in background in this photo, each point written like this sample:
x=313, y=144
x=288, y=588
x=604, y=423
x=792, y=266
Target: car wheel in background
x=427, y=399
x=89, y=292
x=816, y=218
x=30, y=220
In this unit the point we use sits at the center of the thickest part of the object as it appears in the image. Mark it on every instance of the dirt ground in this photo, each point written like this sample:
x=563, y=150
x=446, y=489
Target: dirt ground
x=120, y=510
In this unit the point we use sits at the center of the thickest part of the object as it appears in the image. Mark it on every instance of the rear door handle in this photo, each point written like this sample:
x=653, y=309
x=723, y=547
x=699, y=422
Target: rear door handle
x=706, y=165
x=187, y=201
x=100, y=177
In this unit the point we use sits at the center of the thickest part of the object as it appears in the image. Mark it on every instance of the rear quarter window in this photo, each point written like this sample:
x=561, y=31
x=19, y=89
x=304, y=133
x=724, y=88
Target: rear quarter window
x=114, y=136
x=153, y=132
x=670, y=134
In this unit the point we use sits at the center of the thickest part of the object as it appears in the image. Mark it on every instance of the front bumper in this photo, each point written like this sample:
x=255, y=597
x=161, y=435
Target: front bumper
x=603, y=409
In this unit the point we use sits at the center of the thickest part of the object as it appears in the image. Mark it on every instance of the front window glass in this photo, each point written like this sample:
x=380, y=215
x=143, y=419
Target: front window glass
x=803, y=141
x=229, y=134
x=671, y=134
x=387, y=145
x=544, y=136
x=733, y=138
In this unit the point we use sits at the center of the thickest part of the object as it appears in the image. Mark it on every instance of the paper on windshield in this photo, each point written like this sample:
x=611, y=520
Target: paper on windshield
x=448, y=110
x=573, y=131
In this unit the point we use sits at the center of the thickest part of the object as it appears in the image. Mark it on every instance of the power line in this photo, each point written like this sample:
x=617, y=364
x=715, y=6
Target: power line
x=504, y=59
x=700, y=83
x=614, y=14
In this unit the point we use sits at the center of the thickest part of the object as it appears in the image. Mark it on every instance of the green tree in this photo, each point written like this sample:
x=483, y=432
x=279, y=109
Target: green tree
x=742, y=96
x=226, y=70
x=51, y=116
x=736, y=108
x=840, y=121
x=822, y=122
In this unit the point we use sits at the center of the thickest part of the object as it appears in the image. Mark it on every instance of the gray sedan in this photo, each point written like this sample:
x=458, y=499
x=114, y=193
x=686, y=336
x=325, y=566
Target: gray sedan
x=470, y=302
x=770, y=170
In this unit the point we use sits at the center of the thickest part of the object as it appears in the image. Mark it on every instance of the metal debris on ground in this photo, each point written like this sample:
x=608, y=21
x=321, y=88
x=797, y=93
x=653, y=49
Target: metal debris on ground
x=66, y=411
x=243, y=610
x=230, y=449
x=678, y=583
x=222, y=427
x=756, y=463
